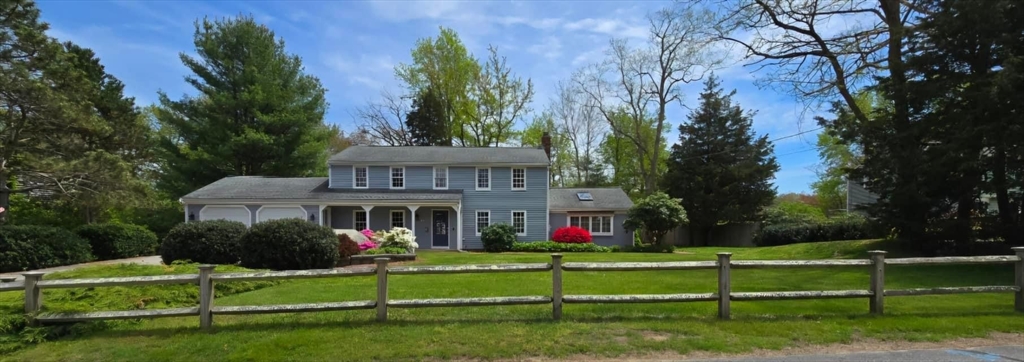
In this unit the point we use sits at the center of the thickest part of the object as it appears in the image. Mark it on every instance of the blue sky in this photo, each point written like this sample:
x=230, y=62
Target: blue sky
x=353, y=47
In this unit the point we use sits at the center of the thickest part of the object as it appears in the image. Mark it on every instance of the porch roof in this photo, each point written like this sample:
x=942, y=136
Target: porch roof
x=311, y=189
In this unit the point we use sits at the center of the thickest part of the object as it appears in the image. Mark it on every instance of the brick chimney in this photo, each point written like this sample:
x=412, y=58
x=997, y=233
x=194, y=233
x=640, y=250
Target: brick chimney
x=545, y=142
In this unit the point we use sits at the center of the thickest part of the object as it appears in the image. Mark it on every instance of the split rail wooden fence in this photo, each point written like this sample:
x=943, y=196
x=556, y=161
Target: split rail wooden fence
x=33, y=284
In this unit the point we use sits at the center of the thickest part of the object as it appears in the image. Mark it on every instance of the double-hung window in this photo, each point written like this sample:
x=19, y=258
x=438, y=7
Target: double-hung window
x=361, y=177
x=483, y=178
x=359, y=220
x=397, y=218
x=440, y=178
x=398, y=177
x=595, y=224
x=519, y=222
x=518, y=179
x=483, y=220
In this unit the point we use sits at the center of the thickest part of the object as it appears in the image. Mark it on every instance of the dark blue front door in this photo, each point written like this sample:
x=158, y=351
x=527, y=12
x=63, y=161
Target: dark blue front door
x=439, y=225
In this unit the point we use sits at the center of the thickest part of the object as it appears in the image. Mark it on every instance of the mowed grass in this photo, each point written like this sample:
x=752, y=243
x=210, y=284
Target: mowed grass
x=590, y=330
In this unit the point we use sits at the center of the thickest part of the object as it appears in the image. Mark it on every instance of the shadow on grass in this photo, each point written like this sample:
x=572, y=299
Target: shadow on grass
x=277, y=326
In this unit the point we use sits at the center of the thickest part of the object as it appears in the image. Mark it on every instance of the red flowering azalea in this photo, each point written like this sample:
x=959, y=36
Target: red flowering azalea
x=572, y=235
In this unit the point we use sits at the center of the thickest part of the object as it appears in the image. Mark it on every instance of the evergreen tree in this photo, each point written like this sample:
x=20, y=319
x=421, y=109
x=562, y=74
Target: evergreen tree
x=426, y=122
x=257, y=112
x=720, y=170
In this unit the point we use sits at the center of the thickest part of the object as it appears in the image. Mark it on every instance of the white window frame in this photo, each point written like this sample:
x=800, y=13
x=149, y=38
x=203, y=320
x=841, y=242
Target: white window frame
x=446, y=179
x=513, y=215
x=355, y=219
x=513, y=184
x=391, y=177
x=476, y=178
x=391, y=220
x=568, y=222
x=476, y=220
x=354, y=178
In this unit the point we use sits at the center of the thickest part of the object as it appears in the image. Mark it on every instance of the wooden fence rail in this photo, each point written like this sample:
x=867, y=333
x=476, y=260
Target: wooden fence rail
x=33, y=284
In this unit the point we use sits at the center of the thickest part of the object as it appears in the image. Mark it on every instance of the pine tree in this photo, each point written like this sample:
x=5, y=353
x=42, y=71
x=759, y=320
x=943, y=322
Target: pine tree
x=426, y=121
x=720, y=169
x=257, y=112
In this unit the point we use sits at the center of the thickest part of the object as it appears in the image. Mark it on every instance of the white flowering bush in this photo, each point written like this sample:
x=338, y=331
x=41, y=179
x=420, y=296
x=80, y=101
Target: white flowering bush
x=396, y=238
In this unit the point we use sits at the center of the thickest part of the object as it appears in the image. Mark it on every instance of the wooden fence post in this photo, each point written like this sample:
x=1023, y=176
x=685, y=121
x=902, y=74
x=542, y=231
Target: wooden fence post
x=33, y=296
x=1018, y=277
x=877, y=304
x=206, y=296
x=556, y=286
x=724, y=285
x=382, y=289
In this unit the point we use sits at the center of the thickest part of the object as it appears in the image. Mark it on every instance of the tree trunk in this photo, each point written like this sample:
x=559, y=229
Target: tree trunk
x=707, y=237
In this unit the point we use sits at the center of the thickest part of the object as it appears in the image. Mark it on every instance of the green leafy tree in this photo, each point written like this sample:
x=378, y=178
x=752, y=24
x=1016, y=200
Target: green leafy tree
x=561, y=159
x=256, y=112
x=426, y=122
x=620, y=152
x=720, y=169
x=654, y=216
x=501, y=99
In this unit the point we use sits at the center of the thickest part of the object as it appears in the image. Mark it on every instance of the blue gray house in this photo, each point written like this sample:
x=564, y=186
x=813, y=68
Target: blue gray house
x=447, y=195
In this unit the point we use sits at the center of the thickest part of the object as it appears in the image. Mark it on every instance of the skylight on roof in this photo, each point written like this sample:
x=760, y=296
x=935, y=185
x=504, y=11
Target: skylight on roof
x=585, y=196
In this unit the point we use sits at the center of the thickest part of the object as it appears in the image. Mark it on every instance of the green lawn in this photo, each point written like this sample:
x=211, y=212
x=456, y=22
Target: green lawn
x=596, y=330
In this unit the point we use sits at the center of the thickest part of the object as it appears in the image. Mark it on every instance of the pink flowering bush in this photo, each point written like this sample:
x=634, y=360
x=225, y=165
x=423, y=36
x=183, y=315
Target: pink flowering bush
x=367, y=245
x=368, y=234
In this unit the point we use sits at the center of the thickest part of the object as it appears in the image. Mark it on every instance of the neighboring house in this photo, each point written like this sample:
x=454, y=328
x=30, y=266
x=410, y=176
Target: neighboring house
x=857, y=195
x=447, y=195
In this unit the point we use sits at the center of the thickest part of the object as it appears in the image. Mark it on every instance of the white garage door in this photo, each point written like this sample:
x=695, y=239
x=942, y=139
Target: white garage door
x=268, y=213
x=233, y=213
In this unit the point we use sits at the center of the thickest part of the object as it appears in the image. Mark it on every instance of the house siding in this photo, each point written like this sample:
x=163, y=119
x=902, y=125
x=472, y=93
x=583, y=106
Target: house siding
x=501, y=200
x=341, y=177
x=416, y=177
x=620, y=236
x=857, y=196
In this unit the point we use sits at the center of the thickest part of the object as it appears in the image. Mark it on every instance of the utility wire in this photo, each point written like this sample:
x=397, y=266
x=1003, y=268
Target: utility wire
x=773, y=140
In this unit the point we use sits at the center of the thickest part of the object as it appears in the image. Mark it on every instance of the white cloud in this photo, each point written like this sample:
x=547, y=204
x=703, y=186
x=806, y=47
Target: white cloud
x=610, y=27
x=550, y=47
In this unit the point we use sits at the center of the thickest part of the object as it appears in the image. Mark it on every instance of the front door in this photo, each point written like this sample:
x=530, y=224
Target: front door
x=439, y=225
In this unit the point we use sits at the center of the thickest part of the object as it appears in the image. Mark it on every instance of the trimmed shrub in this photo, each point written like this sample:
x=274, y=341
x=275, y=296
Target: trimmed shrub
x=35, y=247
x=846, y=229
x=346, y=246
x=289, y=244
x=210, y=241
x=117, y=241
x=498, y=237
x=556, y=247
x=572, y=235
x=386, y=250
x=651, y=248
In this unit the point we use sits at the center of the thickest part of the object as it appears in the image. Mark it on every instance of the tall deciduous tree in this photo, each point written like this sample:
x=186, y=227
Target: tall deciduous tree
x=501, y=99
x=561, y=158
x=256, y=112
x=720, y=169
x=579, y=120
x=646, y=80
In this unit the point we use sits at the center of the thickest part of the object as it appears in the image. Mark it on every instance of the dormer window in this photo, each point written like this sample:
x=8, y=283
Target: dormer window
x=398, y=177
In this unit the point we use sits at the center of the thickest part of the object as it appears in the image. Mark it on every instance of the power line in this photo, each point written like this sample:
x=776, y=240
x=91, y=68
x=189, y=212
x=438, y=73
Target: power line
x=773, y=140
x=796, y=152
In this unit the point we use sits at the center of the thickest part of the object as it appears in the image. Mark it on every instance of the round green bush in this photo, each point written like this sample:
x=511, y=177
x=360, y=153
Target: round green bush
x=289, y=244
x=211, y=241
x=117, y=241
x=498, y=237
x=35, y=247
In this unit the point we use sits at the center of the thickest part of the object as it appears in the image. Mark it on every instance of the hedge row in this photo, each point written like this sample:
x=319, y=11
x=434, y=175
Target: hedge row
x=556, y=247
x=28, y=247
x=284, y=244
x=851, y=229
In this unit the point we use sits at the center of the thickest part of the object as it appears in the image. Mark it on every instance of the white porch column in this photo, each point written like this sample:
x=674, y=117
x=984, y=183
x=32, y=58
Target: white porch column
x=320, y=214
x=367, y=209
x=412, y=215
x=458, y=226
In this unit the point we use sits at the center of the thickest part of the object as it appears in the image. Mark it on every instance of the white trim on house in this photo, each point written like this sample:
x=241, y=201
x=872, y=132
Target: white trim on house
x=446, y=232
x=391, y=219
x=354, y=185
x=492, y=164
x=593, y=211
x=476, y=178
x=512, y=173
x=305, y=215
x=366, y=218
x=391, y=177
x=447, y=180
x=215, y=202
x=248, y=221
x=526, y=222
x=590, y=223
x=547, y=202
x=476, y=220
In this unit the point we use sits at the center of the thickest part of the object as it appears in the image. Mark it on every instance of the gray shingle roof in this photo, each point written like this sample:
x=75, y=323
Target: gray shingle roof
x=605, y=198
x=304, y=188
x=426, y=155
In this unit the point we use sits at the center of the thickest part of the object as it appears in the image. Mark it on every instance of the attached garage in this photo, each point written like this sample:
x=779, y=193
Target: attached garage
x=268, y=213
x=226, y=212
